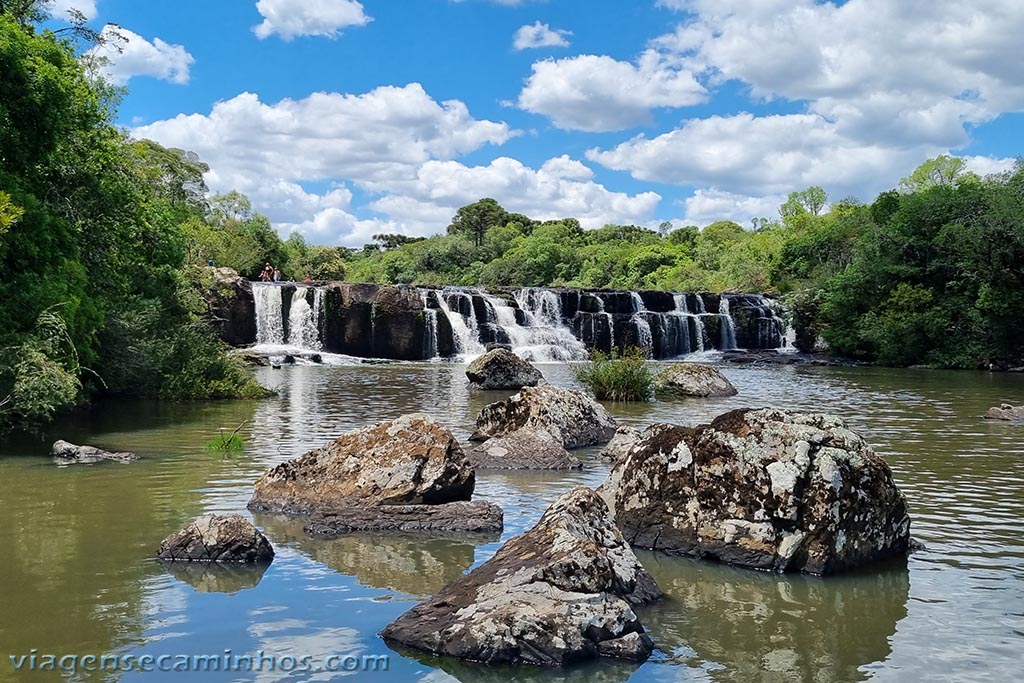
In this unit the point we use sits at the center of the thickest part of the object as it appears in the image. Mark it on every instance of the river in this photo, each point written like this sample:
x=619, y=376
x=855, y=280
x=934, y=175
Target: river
x=78, y=576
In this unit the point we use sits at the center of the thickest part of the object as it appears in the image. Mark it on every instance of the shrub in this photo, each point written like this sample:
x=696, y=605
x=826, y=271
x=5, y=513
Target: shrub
x=614, y=378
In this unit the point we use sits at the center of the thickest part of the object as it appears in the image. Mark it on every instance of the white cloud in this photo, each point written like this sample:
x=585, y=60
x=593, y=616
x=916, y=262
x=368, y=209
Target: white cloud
x=290, y=19
x=128, y=54
x=709, y=205
x=62, y=8
x=598, y=93
x=984, y=166
x=398, y=145
x=539, y=35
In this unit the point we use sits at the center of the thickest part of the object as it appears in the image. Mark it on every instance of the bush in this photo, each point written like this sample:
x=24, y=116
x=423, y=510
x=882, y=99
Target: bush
x=612, y=378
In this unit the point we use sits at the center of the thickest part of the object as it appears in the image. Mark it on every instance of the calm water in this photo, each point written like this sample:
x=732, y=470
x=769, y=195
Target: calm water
x=77, y=578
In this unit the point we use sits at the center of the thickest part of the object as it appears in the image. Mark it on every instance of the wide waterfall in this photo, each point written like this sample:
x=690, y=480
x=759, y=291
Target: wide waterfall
x=540, y=324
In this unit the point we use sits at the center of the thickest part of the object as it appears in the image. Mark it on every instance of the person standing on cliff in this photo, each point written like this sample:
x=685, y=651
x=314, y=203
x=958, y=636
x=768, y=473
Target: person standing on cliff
x=277, y=274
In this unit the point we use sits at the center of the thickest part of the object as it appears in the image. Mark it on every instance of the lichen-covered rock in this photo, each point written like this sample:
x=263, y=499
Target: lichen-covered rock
x=65, y=453
x=625, y=438
x=692, y=379
x=1006, y=412
x=560, y=593
x=768, y=489
x=569, y=415
x=463, y=517
x=502, y=369
x=523, y=449
x=231, y=306
x=413, y=460
x=217, y=538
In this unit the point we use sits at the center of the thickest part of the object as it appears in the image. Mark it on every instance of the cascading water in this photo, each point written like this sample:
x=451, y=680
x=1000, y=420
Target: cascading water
x=430, y=320
x=545, y=337
x=269, y=315
x=645, y=339
x=728, y=341
x=304, y=319
x=464, y=328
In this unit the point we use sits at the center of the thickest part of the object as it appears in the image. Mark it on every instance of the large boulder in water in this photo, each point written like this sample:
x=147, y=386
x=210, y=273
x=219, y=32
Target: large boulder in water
x=502, y=369
x=524, y=449
x=66, y=453
x=692, y=379
x=768, y=489
x=217, y=538
x=569, y=415
x=560, y=593
x=413, y=460
x=1006, y=412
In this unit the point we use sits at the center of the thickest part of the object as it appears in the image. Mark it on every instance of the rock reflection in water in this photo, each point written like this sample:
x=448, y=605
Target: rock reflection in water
x=414, y=564
x=211, y=577
x=744, y=625
x=448, y=670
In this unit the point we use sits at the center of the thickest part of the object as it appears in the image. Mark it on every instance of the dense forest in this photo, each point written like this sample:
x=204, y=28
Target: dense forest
x=104, y=239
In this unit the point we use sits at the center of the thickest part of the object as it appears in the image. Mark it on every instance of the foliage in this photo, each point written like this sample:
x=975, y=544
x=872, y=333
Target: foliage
x=227, y=441
x=617, y=378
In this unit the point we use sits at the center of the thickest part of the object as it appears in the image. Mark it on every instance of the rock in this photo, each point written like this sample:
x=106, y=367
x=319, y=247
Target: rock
x=69, y=454
x=502, y=369
x=251, y=359
x=625, y=438
x=523, y=449
x=217, y=538
x=560, y=593
x=1005, y=412
x=413, y=460
x=494, y=346
x=571, y=416
x=231, y=306
x=692, y=379
x=767, y=489
x=464, y=517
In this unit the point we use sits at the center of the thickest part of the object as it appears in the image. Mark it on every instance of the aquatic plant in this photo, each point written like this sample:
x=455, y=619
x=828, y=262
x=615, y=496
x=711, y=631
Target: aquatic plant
x=617, y=378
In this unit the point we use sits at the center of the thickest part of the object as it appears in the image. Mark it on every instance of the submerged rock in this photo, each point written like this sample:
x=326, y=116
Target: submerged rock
x=571, y=416
x=217, y=538
x=1006, y=412
x=524, y=449
x=692, y=379
x=501, y=369
x=768, y=489
x=413, y=460
x=468, y=517
x=560, y=593
x=66, y=453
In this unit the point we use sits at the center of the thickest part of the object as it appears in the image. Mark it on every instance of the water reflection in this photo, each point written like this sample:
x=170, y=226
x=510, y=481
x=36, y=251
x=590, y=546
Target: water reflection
x=743, y=625
x=211, y=577
x=455, y=671
x=414, y=564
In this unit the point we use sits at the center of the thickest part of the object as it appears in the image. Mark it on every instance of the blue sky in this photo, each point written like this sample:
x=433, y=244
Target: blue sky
x=342, y=119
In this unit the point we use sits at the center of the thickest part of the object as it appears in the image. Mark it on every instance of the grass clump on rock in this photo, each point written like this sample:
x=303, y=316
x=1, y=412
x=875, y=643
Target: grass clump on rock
x=618, y=378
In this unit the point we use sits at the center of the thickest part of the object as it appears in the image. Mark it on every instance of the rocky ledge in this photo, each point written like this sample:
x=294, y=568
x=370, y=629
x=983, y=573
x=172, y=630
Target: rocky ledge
x=767, y=489
x=217, y=538
x=470, y=517
x=562, y=592
x=65, y=453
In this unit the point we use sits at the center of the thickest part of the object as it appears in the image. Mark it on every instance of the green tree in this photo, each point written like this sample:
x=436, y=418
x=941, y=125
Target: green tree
x=941, y=170
x=474, y=220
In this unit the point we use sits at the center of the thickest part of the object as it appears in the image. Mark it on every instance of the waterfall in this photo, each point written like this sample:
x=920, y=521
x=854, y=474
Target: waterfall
x=430, y=320
x=269, y=314
x=545, y=338
x=680, y=300
x=644, y=337
x=700, y=303
x=464, y=328
x=698, y=325
x=728, y=326
x=304, y=320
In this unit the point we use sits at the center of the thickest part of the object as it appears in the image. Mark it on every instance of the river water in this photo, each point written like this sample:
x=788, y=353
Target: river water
x=77, y=575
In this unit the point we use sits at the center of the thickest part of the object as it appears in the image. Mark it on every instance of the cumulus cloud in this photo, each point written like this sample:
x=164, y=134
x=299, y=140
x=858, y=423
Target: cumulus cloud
x=397, y=145
x=597, y=93
x=62, y=8
x=290, y=19
x=883, y=85
x=539, y=35
x=126, y=54
x=709, y=205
